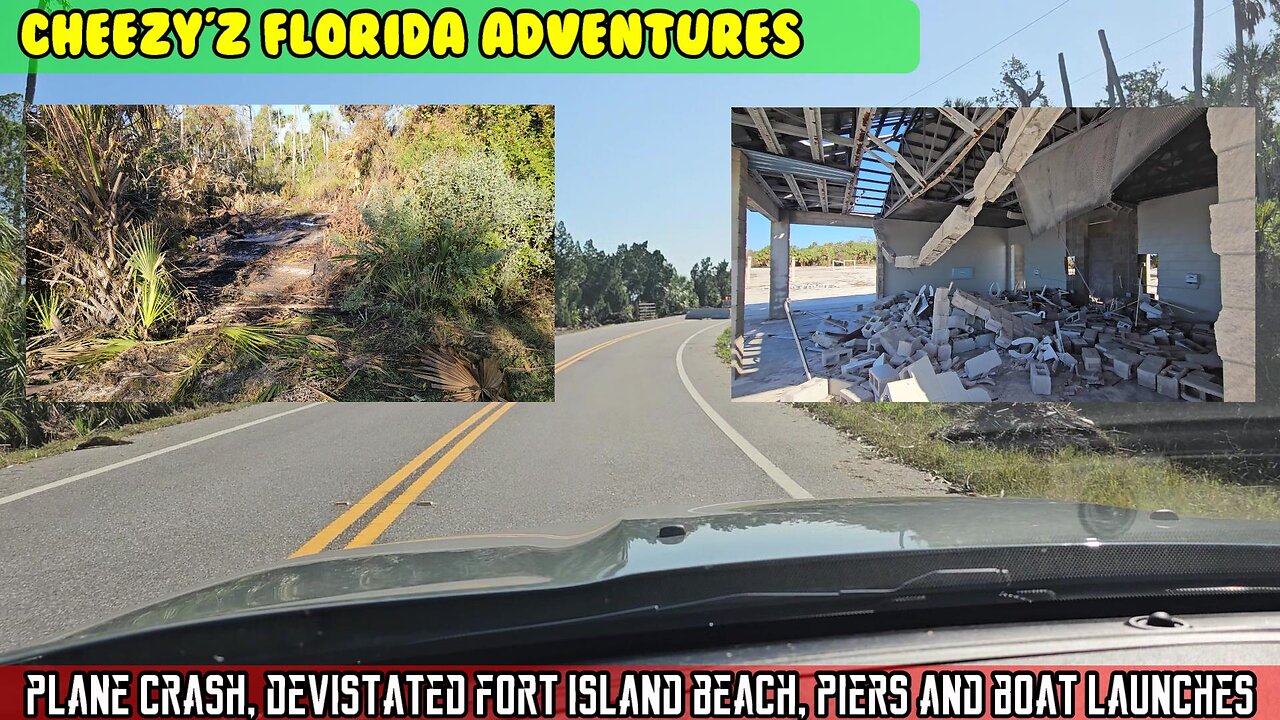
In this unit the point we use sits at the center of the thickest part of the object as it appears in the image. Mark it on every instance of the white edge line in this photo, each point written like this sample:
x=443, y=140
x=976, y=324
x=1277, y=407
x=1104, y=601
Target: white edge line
x=146, y=456
x=775, y=473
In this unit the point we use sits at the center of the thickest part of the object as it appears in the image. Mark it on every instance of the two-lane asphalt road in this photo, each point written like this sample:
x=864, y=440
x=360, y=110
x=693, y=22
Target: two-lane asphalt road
x=642, y=422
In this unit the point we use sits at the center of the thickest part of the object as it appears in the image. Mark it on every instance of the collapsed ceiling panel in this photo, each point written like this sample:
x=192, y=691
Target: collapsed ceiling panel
x=1082, y=172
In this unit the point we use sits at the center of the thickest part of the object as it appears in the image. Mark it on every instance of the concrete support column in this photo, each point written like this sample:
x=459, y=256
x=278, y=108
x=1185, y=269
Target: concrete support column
x=779, y=267
x=1233, y=237
x=738, y=259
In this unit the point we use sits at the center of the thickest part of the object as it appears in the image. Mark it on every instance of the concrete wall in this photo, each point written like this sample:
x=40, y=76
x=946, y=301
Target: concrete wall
x=983, y=249
x=1043, y=256
x=1234, y=135
x=1176, y=229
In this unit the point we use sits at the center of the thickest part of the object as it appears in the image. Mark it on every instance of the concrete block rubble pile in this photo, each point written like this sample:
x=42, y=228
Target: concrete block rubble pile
x=947, y=345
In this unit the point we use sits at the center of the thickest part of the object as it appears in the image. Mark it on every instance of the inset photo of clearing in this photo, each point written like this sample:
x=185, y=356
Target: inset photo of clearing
x=247, y=253
x=973, y=254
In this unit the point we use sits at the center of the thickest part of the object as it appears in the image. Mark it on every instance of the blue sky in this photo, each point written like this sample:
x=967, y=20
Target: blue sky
x=645, y=158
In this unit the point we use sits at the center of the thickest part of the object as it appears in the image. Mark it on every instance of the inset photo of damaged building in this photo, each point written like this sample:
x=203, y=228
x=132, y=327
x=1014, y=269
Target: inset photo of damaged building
x=994, y=254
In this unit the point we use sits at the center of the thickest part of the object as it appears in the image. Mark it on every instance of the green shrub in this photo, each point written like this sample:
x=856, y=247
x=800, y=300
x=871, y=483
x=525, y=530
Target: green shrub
x=464, y=237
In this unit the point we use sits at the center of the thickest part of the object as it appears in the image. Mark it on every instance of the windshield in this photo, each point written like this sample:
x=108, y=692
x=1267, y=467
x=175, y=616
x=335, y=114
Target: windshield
x=478, y=335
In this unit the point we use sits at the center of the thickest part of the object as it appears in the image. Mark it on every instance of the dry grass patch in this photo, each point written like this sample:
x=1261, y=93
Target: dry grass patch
x=912, y=434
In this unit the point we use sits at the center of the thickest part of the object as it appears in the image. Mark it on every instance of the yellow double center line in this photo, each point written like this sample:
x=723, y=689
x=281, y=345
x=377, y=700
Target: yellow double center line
x=485, y=417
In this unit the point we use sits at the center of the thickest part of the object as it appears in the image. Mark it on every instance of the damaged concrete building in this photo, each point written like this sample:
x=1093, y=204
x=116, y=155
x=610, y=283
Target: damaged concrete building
x=1084, y=254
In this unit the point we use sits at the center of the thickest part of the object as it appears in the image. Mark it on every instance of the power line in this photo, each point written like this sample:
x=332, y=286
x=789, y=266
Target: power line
x=973, y=59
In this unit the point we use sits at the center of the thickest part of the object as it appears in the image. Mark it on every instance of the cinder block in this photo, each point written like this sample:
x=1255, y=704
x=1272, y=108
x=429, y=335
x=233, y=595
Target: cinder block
x=985, y=340
x=1092, y=360
x=963, y=345
x=1169, y=381
x=855, y=394
x=1148, y=371
x=1199, y=387
x=1125, y=363
x=881, y=376
x=1233, y=227
x=1240, y=184
x=1041, y=380
x=1239, y=282
x=814, y=390
x=982, y=364
x=1231, y=127
x=836, y=355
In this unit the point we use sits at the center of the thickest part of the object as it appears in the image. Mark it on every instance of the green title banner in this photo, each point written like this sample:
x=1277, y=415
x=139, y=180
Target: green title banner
x=412, y=36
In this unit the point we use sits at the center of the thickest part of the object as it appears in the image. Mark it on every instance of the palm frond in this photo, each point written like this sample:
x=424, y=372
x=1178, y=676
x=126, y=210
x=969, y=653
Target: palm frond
x=457, y=378
x=257, y=341
x=46, y=310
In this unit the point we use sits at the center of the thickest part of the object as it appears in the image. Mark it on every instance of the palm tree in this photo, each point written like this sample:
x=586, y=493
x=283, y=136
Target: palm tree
x=30, y=97
x=1249, y=15
x=1250, y=67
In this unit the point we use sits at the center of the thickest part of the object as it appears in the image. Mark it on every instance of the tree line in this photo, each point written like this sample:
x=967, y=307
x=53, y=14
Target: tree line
x=848, y=252
x=594, y=286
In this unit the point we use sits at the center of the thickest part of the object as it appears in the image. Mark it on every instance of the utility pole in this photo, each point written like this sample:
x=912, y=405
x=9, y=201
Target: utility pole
x=1066, y=82
x=1197, y=54
x=1115, y=92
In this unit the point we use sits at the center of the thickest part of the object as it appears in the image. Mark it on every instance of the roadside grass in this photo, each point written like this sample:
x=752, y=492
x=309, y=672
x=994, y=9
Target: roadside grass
x=724, y=349
x=57, y=447
x=909, y=433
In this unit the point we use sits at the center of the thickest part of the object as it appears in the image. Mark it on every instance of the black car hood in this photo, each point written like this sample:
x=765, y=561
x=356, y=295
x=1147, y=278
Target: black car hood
x=747, y=532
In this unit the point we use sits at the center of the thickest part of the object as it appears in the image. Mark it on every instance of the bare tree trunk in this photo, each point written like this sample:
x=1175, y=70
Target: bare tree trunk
x=1197, y=54
x=248, y=132
x=30, y=97
x=1066, y=82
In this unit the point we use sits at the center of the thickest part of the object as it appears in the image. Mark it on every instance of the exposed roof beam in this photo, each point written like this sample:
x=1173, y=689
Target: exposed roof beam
x=795, y=191
x=861, y=129
x=773, y=196
x=794, y=130
x=893, y=170
x=1025, y=132
x=955, y=155
x=760, y=196
x=813, y=127
x=770, y=138
x=901, y=161
x=847, y=204
x=765, y=128
x=959, y=120
x=831, y=219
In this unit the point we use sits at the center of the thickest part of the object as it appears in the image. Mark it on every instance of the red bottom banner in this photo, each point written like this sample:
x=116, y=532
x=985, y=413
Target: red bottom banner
x=642, y=693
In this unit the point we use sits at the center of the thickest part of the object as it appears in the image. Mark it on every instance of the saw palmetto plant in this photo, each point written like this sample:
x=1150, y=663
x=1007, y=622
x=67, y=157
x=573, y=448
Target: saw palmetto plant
x=46, y=310
x=89, y=181
x=155, y=293
x=12, y=358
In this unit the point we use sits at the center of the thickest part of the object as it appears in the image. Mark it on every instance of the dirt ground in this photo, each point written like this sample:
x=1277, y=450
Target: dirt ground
x=809, y=283
x=268, y=268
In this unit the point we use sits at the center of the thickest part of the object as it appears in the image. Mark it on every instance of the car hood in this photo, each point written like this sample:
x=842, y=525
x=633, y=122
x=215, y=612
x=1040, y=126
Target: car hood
x=717, y=535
